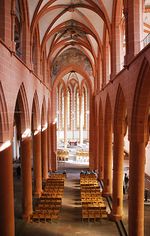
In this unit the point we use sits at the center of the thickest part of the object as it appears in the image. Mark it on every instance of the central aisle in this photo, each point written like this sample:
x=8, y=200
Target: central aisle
x=71, y=207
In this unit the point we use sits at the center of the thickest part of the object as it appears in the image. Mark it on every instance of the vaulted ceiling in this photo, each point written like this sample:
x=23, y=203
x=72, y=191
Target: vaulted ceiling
x=72, y=31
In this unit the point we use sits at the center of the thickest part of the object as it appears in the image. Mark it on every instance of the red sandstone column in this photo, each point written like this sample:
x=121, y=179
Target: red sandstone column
x=136, y=189
x=49, y=146
x=53, y=147
x=133, y=18
x=107, y=160
x=44, y=154
x=92, y=142
x=117, y=197
x=97, y=157
x=80, y=119
x=37, y=164
x=65, y=118
x=26, y=177
x=6, y=193
x=101, y=151
x=72, y=115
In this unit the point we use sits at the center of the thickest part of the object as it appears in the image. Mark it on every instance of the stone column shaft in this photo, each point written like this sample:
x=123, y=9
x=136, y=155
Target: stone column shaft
x=101, y=151
x=53, y=147
x=65, y=119
x=107, y=162
x=117, y=203
x=26, y=177
x=37, y=164
x=6, y=193
x=81, y=120
x=136, y=189
x=44, y=154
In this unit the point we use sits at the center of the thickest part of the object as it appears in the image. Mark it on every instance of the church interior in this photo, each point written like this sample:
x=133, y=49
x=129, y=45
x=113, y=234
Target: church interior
x=74, y=117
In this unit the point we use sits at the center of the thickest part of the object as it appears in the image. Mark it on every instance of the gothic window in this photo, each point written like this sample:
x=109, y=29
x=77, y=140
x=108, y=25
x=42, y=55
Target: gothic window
x=18, y=29
x=69, y=109
x=146, y=23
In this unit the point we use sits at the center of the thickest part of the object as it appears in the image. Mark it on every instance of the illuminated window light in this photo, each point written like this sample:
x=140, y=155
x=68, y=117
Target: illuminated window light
x=27, y=133
x=44, y=127
x=5, y=145
x=55, y=121
x=37, y=130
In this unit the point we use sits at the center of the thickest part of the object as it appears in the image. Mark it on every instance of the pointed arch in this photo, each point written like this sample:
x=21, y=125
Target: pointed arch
x=44, y=115
x=107, y=133
x=35, y=112
x=108, y=112
x=120, y=111
x=35, y=52
x=22, y=109
x=21, y=29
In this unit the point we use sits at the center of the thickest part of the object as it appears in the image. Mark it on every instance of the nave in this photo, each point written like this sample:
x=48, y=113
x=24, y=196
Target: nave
x=70, y=222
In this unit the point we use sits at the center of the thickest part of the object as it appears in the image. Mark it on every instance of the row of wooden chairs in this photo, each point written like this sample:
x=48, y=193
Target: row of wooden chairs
x=93, y=214
x=82, y=153
x=49, y=205
x=93, y=205
x=62, y=155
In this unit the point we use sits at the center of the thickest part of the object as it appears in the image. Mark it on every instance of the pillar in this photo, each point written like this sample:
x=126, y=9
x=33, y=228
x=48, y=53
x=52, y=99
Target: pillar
x=101, y=151
x=37, y=164
x=72, y=114
x=97, y=158
x=107, y=160
x=53, y=147
x=6, y=193
x=44, y=154
x=136, y=188
x=65, y=118
x=80, y=120
x=133, y=21
x=26, y=177
x=49, y=146
x=92, y=142
x=117, y=197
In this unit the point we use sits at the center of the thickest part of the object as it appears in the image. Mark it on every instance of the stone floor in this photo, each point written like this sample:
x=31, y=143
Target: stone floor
x=70, y=223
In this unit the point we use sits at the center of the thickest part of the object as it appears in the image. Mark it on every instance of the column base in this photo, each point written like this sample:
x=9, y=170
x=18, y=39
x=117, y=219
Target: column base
x=106, y=194
x=45, y=178
x=114, y=217
x=26, y=218
x=37, y=194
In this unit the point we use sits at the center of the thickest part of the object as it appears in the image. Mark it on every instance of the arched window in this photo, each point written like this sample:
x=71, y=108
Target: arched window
x=18, y=29
x=146, y=23
x=62, y=111
x=69, y=109
x=108, y=58
x=77, y=109
x=122, y=40
x=34, y=53
x=84, y=107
